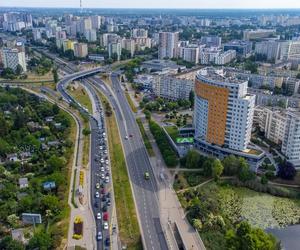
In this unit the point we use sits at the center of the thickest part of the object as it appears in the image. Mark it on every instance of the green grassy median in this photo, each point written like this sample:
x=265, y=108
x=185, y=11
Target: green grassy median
x=145, y=137
x=131, y=104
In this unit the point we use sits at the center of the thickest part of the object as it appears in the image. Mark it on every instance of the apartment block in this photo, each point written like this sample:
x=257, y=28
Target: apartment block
x=172, y=87
x=223, y=109
x=80, y=50
x=291, y=141
x=258, y=34
x=168, y=45
x=190, y=54
x=115, y=49
x=11, y=58
x=272, y=122
x=211, y=41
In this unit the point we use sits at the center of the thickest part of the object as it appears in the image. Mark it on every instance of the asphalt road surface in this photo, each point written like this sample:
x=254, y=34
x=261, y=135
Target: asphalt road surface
x=145, y=191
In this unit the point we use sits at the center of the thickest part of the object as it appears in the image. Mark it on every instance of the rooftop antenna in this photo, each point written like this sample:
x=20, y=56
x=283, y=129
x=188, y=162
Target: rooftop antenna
x=81, y=6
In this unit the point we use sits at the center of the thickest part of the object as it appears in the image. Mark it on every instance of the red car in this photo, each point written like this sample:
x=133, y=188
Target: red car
x=103, y=191
x=105, y=216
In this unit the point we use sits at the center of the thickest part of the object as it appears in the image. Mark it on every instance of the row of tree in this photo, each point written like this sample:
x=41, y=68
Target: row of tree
x=168, y=154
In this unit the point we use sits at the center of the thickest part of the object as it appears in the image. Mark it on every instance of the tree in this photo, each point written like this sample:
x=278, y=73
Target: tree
x=197, y=224
x=248, y=238
x=147, y=114
x=231, y=165
x=192, y=98
x=55, y=109
x=264, y=180
x=192, y=159
x=286, y=171
x=245, y=173
x=40, y=240
x=207, y=167
x=217, y=169
x=19, y=70
x=52, y=203
x=55, y=75
x=8, y=243
x=13, y=220
x=86, y=131
x=55, y=163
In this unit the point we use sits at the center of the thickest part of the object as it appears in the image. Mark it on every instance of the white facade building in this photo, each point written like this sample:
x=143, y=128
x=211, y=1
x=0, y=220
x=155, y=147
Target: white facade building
x=115, y=48
x=91, y=35
x=168, y=45
x=12, y=58
x=128, y=44
x=291, y=142
x=189, y=54
x=223, y=110
x=173, y=88
x=225, y=57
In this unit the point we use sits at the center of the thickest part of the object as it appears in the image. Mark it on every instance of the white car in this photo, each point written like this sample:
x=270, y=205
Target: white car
x=107, y=179
x=126, y=137
x=99, y=236
x=105, y=225
x=107, y=162
x=97, y=195
x=102, y=176
x=97, y=185
x=102, y=169
x=102, y=160
x=98, y=216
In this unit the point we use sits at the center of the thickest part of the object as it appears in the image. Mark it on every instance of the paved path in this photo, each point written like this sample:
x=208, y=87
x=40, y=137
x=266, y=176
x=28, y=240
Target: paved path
x=170, y=207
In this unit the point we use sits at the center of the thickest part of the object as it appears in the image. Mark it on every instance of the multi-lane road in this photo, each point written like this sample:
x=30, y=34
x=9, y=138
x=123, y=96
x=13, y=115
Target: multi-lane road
x=145, y=191
x=101, y=197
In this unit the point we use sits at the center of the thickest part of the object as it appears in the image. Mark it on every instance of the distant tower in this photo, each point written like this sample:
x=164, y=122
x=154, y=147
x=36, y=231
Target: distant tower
x=81, y=5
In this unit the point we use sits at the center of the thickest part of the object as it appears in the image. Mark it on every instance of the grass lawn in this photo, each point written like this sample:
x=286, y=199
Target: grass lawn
x=126, y=214
x=64, y=223
x=131, y=104
x=82, y=96
x=145, y=138
x=86, y=147
x=186, y=179
x=172, y=131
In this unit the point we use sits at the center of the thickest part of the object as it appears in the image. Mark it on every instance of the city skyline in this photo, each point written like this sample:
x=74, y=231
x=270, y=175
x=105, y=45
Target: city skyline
x=216, y=4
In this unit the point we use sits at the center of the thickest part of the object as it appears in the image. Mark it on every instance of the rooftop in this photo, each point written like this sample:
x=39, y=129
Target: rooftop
x=219, y=75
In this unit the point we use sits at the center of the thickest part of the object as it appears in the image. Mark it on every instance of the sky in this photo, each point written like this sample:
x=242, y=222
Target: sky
x=199, y=4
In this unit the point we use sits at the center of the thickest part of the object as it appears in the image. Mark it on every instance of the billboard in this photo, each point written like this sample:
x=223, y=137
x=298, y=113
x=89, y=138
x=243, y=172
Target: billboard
x=181, y=140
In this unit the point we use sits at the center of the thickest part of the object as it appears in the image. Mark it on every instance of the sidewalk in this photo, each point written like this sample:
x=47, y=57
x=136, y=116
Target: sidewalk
x=170, y=207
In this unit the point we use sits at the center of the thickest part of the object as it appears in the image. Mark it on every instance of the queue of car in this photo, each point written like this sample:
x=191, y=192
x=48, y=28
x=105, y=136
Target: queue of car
x=102, y=177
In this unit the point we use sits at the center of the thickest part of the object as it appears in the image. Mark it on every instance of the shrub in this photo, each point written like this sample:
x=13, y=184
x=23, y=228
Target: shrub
x=164, y=146
x=287, y=171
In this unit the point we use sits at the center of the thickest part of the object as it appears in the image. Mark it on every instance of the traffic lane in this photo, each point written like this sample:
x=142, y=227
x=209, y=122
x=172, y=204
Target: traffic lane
x=94, y=134
x=143, y=160
x=151, y=237
x=107, y=186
